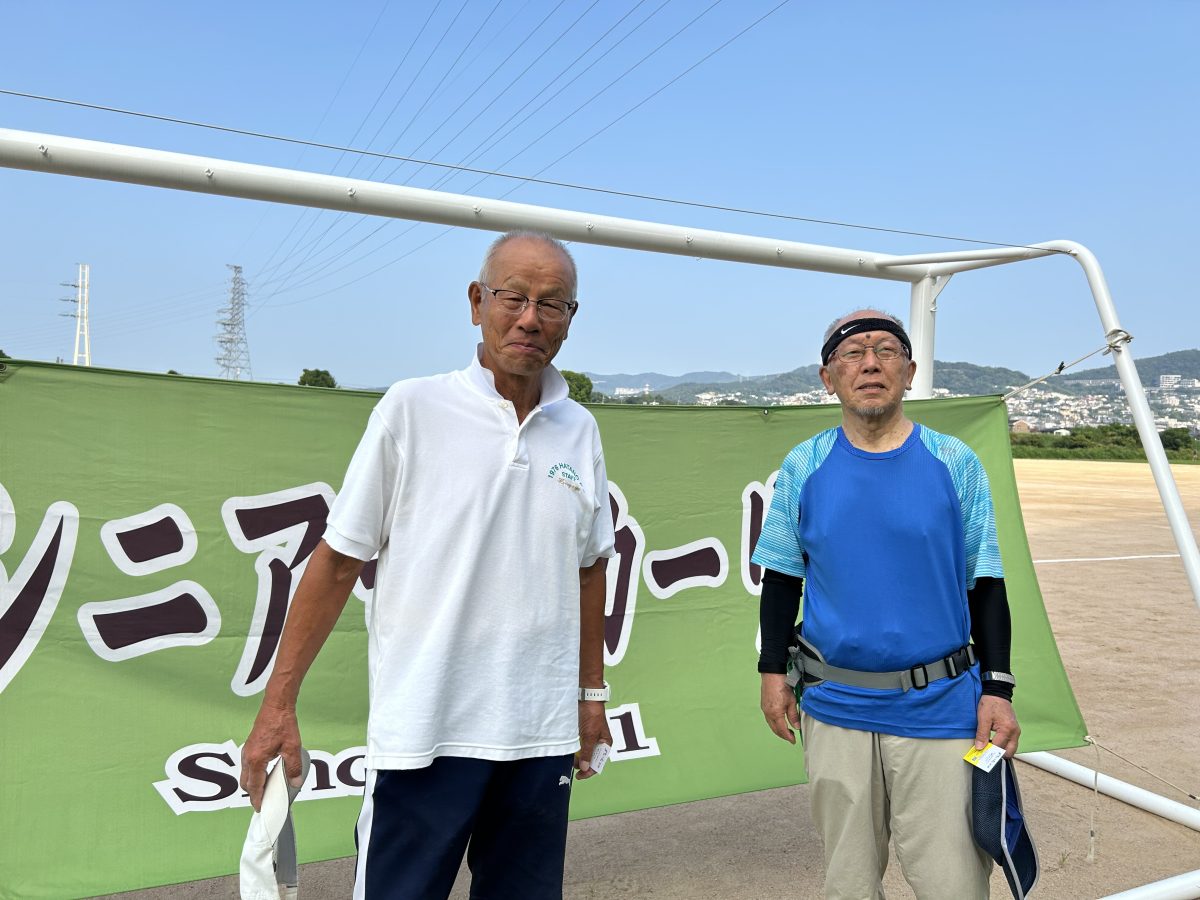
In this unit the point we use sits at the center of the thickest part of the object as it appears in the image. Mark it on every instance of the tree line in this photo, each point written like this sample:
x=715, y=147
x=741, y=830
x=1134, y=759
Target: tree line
x=1117, y=442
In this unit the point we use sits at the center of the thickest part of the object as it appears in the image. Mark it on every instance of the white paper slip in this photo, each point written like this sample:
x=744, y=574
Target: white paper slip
x=986, y=758
x=600, y=756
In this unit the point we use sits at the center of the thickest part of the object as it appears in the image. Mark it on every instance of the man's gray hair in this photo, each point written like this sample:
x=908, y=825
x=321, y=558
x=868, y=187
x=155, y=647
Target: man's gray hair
x=485, y=270
x=878, y=314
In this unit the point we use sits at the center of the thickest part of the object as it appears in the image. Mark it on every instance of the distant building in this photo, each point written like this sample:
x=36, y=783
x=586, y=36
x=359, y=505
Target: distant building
x=1167, y=382
x=1063, y=432
x=1021, y=427
x=644, y=390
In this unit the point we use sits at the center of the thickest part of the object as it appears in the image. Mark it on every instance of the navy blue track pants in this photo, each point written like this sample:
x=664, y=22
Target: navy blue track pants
x=509, y=817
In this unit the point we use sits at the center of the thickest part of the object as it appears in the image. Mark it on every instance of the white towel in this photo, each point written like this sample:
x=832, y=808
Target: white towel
x=268, y=868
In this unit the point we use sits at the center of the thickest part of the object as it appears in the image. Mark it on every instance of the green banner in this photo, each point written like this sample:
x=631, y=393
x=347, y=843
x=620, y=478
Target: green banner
x=153, y=527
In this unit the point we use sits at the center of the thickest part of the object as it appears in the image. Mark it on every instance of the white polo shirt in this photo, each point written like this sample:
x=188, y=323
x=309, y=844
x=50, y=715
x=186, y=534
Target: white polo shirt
x=481, y=525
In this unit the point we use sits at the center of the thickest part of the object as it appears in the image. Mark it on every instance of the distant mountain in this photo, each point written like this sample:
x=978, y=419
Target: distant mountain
x=793, y=382
x=955, y=377
x=967, y=378
x=606, y=384
x=1181, y=362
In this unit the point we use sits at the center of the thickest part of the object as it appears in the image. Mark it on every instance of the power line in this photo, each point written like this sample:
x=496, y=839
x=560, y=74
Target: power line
x=316, y=214
x=530, y=179
x=480, y=148
x=411, y=120
x=312, y=274
x=126, y=319
x=486, y=79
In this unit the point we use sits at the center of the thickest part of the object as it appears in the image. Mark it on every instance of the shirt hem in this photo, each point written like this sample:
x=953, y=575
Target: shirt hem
x=469, y=751
x=936, y=732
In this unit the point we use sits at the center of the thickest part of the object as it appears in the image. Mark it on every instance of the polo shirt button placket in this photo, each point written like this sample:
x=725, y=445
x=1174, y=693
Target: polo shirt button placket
x=521, y=456
x=515, y=454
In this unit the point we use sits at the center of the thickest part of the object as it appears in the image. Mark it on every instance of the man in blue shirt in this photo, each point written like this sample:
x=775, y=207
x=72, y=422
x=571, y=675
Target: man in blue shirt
x=887, y=529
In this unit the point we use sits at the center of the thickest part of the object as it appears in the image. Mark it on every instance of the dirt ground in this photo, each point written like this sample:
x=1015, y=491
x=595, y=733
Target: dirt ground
x=1128, y=631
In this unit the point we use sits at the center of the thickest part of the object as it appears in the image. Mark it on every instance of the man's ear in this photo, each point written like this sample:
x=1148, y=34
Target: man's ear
x=475, y=295
x=825, y=379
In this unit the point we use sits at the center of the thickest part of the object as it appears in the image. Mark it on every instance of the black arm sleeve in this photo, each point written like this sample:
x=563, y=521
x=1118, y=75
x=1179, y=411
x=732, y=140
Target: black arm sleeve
x=991, y=630
x=777, y=610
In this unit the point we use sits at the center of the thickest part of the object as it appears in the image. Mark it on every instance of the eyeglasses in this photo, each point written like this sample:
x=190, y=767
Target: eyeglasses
x=549, y=309
x=883, y=353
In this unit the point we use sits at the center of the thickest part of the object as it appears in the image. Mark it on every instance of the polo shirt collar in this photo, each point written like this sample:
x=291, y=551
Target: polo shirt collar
x=554, y=386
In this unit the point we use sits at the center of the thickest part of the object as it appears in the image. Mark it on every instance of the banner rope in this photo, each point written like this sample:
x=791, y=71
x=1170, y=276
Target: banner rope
x=1091, y=855
x=1114, y=342
x=1100, y=746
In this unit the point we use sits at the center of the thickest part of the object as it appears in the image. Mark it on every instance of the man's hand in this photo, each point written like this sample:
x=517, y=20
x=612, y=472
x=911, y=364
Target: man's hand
x=275, y=733
x=779, y=706
x=593, y=728
x=996, y=716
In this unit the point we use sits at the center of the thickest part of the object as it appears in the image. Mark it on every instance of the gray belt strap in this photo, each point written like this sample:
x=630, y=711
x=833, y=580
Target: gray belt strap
x=813, y=669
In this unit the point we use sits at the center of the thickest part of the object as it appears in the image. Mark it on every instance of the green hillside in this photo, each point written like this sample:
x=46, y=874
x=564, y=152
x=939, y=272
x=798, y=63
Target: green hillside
x=1181, y=362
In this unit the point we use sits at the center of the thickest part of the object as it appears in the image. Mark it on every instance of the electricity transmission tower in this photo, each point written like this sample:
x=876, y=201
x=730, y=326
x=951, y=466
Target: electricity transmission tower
x=83, y=331
x=235, y=352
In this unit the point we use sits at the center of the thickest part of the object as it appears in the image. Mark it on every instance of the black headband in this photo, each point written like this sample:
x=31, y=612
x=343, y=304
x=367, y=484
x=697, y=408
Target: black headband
x=857, y=326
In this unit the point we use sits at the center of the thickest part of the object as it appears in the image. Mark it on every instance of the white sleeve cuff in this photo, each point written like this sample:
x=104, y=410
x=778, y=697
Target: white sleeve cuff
x=346, y=546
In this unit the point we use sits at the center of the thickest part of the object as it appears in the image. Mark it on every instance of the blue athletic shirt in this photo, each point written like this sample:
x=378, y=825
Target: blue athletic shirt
x=888, y=545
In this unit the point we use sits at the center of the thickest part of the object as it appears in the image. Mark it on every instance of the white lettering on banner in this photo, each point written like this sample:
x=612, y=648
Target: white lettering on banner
x=629, y=735
x=283, y=528
x=756, y=500
x=29, y=598
x=204, y=777
x=621, y=576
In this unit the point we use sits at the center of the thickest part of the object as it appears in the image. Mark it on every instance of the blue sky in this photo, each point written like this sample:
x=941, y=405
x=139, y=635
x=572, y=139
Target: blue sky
x=1015, y=122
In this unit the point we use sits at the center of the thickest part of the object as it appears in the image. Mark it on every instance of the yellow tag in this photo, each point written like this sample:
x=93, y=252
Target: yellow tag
x=986, y=758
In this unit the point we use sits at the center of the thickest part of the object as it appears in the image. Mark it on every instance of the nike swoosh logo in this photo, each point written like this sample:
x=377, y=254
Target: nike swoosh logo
x=849, y=328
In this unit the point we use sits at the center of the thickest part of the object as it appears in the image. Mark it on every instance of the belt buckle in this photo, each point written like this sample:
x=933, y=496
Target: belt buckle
x=923, y=682
x=952, y=668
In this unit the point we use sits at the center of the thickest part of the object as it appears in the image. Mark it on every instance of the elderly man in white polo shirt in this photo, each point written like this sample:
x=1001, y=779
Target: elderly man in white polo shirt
x=484, y=493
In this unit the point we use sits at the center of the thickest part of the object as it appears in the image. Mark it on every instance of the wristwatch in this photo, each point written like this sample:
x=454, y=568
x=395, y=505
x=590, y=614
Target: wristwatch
x=600, y=693
x=1006, y=677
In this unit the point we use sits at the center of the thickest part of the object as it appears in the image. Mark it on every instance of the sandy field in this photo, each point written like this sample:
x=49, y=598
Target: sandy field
x=1128, y=631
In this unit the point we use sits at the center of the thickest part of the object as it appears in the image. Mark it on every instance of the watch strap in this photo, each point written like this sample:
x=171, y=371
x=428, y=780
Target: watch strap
x=601, y=693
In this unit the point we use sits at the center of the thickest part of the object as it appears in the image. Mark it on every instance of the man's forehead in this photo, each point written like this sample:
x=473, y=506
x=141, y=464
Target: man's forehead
x=859, y=315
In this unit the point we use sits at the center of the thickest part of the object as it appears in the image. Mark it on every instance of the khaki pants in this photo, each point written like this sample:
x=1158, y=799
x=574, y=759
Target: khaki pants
x=867, y=787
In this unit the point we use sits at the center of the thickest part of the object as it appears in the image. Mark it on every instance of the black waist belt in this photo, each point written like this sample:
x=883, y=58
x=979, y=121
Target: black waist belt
x=809, y=668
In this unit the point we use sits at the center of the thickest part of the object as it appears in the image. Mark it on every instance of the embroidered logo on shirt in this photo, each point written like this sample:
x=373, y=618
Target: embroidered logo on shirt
x=565, y=475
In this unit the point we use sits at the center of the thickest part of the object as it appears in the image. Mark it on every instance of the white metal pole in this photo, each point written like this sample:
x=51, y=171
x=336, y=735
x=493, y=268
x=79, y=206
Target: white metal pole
x=1143, y=417
x=921, y=321
x=138, y=165
x=945, y=264
x=1111, y=787
x=1181, y=887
